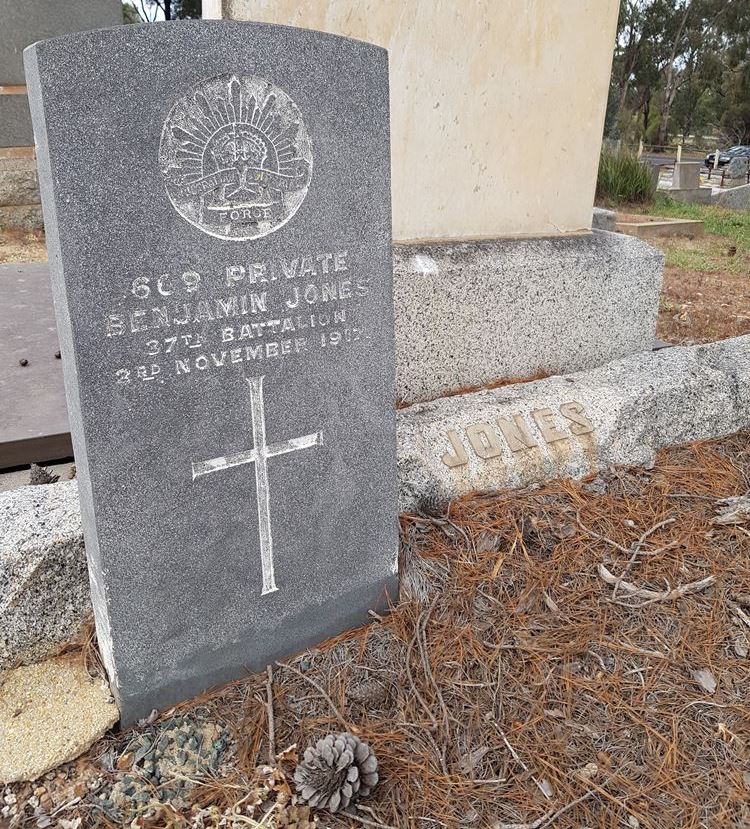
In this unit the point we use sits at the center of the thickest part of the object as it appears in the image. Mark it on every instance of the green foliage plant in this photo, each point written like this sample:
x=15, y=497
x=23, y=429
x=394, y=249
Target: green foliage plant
x=623, y=179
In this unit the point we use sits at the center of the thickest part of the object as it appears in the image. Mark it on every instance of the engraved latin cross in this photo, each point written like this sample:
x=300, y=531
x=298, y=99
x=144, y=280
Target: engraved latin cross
x=259, y=455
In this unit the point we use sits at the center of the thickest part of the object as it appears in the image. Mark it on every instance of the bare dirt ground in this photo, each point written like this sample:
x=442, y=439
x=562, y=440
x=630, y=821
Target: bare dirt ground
x=570, y=656
x=706, y=290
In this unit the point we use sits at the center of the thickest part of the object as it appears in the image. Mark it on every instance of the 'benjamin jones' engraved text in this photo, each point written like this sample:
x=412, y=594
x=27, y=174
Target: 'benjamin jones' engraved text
x=273, y=309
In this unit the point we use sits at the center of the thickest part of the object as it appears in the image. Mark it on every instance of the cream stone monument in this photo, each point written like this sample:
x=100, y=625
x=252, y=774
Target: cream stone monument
x=497, y=112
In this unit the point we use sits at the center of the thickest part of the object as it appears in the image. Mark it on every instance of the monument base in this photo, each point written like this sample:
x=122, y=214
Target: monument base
x=691, y=195
x=471, y=312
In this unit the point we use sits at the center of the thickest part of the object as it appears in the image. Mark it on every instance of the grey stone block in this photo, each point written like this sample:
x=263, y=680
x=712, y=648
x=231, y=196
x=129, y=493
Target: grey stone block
x=603, y=219
x=44, y=586
x=26, y=21
x=570, y=426
x=736, y=198
x=737, y=168
x=468, y=313
x=19, y=184
x=15, y=122
x=687, y=175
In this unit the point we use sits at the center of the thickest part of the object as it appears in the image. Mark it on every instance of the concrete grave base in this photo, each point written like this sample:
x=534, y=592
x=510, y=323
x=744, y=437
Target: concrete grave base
x=468, y=313
x=692, y=195
x=603, y=219
x=570, y=426
x=650, y=227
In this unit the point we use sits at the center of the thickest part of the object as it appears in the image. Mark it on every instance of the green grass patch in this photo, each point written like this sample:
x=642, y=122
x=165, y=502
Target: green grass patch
x=622, y=179
x=693, y=260
x=731, y=224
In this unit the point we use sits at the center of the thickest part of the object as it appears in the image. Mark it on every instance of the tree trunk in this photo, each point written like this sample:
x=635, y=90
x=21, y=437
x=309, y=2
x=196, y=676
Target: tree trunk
x=670, y=86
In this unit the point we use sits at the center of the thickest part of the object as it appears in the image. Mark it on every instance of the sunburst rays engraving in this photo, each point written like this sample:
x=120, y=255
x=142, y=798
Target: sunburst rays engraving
x=236, y=157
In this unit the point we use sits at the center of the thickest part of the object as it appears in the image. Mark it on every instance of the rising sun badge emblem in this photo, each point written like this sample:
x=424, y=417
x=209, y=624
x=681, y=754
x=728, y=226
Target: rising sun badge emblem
x=236, y=157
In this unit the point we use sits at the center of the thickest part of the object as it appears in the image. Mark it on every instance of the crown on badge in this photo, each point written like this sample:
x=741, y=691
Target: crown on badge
x=232, y=128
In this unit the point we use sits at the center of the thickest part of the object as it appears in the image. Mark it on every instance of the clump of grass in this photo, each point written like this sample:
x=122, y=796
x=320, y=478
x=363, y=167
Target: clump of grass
x=623, y=179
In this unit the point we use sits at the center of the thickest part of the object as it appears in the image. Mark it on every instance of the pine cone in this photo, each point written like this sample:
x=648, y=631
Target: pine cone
x=337, y=770
x=39, y=475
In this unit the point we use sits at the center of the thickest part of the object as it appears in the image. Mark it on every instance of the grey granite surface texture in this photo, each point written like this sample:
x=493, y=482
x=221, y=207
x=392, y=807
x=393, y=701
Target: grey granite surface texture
x=44, y=586
x=468, y=313
x=735, y=198
x=218, y=223
x=15, y=121
x=572, y=425
x=26, y=21
x=603, y=219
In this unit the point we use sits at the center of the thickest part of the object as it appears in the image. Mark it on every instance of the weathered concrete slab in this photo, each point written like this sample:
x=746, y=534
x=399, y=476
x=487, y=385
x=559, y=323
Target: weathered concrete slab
x=468, y=313
x=19, y=184
x=649, y=227
x=21, y=217
x=44, y=587
x=573, y=425
x=33, y=416
x=603, y=219
x=50, y=713
x=692, y=195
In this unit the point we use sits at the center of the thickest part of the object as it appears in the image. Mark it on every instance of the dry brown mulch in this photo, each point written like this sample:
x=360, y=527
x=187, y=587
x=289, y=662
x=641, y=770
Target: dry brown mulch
x=518, y=683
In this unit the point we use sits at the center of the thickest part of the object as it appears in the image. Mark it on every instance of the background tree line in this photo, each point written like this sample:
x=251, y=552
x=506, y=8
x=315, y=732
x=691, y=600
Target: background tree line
x=147, y=11
x=681, y=68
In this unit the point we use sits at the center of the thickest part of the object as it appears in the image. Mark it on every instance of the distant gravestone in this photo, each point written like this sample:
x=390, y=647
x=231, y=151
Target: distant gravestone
x=738, y=168
x=218, y=221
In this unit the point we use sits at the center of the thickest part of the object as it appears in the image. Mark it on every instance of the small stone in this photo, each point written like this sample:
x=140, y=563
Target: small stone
x=23, y=362
x=49, y=714
x=57, y=355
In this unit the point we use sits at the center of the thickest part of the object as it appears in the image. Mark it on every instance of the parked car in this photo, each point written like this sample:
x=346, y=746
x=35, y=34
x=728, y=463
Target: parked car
x=727, y=155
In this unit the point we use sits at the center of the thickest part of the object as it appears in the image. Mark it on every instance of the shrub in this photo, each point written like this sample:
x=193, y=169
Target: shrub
x=622, y=179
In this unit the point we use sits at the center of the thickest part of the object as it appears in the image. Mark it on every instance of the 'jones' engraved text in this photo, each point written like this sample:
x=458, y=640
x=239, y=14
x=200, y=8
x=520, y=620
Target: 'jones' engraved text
x=519, y=433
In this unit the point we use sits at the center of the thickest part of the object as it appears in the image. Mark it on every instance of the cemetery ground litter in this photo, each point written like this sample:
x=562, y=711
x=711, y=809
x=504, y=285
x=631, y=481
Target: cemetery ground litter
x=706, y=292
x=574, y=655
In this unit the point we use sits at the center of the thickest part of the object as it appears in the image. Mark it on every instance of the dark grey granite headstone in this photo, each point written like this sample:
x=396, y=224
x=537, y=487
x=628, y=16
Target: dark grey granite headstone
x=217, y=204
